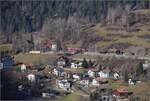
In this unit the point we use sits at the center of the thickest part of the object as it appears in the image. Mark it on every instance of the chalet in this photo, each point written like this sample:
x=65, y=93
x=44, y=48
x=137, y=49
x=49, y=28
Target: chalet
x=76, y=76
x=91, y=72
x=58, y=71
x=98, y=80
x=75, y=50
x=121, y=93
x=146, y=65
x=85, y=81
x=106, y=98
x=63, y=84
x=130, y=82
x=23, y=68
x=62, y=61
x=104, y=94
x=76, y=65
x=20, y=87
x=31, y=77
x=116, y=76
x=103, y=74
x=95, y=81
x=54, y=47
x=55, y=72
x=46, y=45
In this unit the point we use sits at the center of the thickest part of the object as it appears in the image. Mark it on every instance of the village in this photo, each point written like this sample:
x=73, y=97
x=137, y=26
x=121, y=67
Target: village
x=75, y=71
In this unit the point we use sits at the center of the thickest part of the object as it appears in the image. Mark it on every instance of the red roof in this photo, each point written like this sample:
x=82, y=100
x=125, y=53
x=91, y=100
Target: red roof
x=122, y=90
x=99, y=79
x=75, y=49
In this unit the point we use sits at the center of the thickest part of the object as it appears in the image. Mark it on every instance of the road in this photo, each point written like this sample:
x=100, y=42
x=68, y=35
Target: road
x=93, y=55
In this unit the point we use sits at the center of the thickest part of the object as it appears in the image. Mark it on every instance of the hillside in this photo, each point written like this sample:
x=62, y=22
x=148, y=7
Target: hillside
x=97, y=24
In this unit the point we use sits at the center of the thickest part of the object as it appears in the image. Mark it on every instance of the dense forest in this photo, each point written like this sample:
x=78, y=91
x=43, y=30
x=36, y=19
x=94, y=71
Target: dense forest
x=64, y=19
x=29, y=16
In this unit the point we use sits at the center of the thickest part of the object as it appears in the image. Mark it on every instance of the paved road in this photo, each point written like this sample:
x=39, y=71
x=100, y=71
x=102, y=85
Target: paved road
x=93, y=55
x=111, y=55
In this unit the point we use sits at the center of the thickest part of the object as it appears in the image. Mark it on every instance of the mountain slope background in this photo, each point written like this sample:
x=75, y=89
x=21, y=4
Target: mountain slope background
x=99, y=23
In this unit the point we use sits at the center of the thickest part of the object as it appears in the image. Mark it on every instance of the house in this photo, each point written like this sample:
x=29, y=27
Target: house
x=58, y=72
x=106, y=98
x=75, y=50
x=62, y=61
x=54, y=47
x=63, y=84
x=98, y=80
x=103, y=74
x=76, y=77
x=20, y=87
x=76, y=65
x=55, y=72
x=91, y=73
x=85, y=82
x=121, y=93
x=48, y=44
x=61, y=64
x=146, y=65
x=31, y=77
x=130, y=82
x=95, y=82
x=23, y=68
x=104, y=94
x=63, y=74
x=116, y=76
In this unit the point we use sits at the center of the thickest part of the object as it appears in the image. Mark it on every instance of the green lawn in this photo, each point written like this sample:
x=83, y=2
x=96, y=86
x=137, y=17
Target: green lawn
x=31, y=58
x=141, y=89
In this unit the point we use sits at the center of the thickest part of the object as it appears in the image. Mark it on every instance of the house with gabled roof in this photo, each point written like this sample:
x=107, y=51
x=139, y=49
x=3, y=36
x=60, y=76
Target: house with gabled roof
x=103, y=73
x=63, y=84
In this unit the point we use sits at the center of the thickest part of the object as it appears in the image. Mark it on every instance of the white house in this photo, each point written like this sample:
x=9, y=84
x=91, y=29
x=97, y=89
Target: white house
x=61, y=64
x=31, y=77
x=91, y=73
x=54, y=47
x=95, y=82
x=55, y=72
x=130, y=82
x=20, y=87
x=116, y=75
x=76, y=76
x=63, y=84
x=85, y=82
x=80, y=65
x=23, y=68
x=103, y=74
x=146, y=65
x=74, y=65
